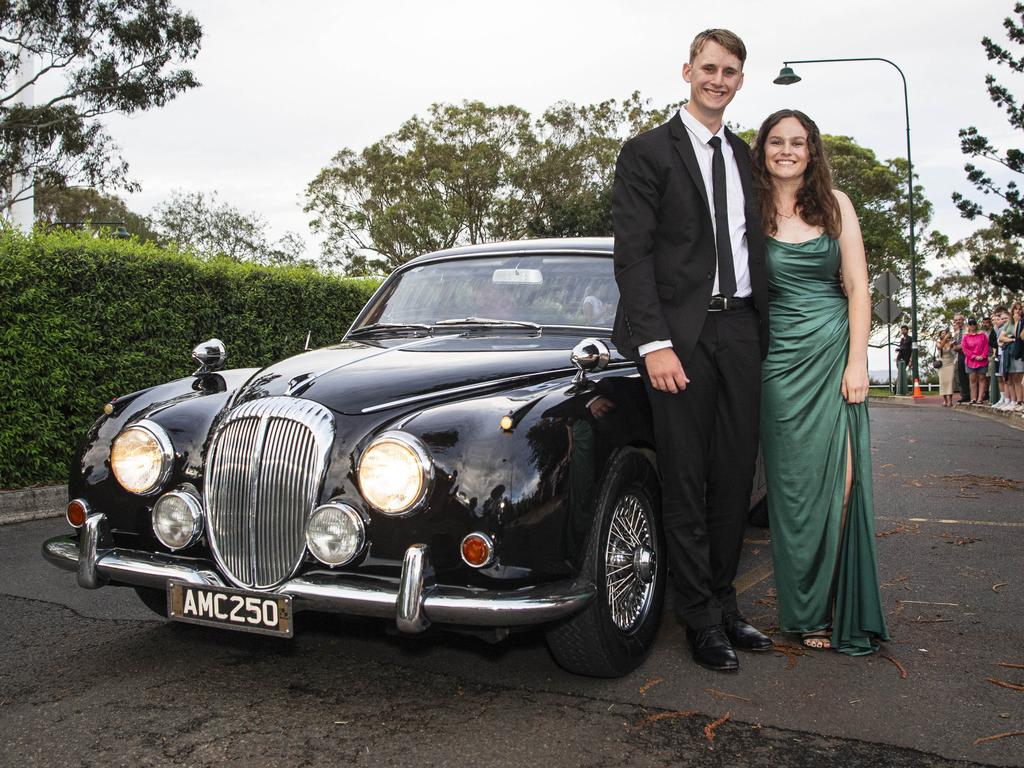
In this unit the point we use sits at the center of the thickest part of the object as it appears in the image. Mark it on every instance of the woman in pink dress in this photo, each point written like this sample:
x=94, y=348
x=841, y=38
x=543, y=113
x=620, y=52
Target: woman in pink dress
x=975, y=347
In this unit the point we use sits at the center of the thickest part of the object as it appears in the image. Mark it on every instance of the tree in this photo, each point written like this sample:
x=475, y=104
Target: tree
x=472, y=173
x=91, y=58
x=1001, y=269
x=72, y=205
x=200, y=223
x=957, y=289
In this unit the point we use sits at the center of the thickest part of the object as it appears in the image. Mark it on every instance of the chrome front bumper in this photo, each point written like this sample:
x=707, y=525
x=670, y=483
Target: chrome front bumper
x=414, y=603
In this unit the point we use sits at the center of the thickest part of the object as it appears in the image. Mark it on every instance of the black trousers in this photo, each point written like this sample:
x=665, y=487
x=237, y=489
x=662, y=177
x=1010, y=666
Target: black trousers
x=962, y=378
x=707, y=439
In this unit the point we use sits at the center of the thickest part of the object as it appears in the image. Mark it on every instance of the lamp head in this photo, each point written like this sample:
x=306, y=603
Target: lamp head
x=787, y=77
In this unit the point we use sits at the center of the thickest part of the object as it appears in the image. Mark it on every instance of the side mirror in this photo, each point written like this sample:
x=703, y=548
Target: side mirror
x=590, y=356
x=211, y=355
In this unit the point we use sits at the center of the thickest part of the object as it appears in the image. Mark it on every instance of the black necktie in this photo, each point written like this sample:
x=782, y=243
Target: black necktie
x=726, y=269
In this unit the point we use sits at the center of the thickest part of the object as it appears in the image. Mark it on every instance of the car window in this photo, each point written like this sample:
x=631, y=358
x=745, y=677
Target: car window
x=549, y=290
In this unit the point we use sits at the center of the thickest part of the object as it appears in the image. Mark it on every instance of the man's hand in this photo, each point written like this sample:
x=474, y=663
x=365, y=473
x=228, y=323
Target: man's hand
x=665, y=371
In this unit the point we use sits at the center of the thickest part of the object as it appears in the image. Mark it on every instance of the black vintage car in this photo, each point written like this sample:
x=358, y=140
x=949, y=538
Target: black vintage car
x=472, y=455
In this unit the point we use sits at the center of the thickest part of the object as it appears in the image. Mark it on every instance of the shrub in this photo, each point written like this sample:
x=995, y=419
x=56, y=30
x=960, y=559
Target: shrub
x=84, y=319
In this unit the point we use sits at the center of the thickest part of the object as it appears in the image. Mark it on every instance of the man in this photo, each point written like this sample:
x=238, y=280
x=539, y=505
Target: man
x=689, y=262
x=904, y=351
x=962, y=381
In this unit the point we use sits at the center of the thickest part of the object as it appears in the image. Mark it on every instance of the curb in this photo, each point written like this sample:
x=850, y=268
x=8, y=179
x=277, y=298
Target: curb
x=32, y=504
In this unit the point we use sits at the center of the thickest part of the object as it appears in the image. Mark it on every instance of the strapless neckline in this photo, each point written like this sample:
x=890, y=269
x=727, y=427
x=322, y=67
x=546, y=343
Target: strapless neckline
x=801, y=242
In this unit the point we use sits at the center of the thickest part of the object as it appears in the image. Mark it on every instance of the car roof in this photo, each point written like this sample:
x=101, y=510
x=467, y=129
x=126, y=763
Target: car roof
x=561, y=245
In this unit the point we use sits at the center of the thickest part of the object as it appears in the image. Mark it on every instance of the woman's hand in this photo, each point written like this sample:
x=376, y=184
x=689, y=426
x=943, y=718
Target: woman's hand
x=855, y=384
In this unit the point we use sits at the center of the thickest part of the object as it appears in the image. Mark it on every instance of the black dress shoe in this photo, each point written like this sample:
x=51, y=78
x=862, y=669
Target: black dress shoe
x=711, y=649
x=744, y=636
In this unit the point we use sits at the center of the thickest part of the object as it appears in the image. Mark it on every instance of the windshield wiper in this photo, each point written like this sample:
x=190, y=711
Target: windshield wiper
x=489, y=321
x=373, y=327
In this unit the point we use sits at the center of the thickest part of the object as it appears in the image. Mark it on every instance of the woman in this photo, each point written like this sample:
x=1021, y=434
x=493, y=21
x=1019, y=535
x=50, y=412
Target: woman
x=975, y=346
x=814, y=418
x=1012, y=367
x=945, y=355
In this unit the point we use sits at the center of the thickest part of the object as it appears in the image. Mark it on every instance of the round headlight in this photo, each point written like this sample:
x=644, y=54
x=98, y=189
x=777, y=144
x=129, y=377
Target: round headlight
x=394, y=472
x=141, y=457
x=335, y=534
x=177, y=519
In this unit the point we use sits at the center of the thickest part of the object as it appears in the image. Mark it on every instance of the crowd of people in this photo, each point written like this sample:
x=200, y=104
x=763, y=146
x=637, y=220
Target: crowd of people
x=972, y=355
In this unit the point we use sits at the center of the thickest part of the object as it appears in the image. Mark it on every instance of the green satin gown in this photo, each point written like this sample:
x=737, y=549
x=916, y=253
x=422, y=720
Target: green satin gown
x=805, y=424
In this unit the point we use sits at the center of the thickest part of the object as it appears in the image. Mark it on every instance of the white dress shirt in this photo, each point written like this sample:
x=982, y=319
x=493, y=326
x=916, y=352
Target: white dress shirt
x=699, y=137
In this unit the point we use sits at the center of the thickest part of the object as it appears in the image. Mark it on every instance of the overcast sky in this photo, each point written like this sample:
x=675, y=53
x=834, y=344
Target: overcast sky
x=286, y=85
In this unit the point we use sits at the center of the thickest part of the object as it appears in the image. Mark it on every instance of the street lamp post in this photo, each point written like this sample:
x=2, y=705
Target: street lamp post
x=787, y=77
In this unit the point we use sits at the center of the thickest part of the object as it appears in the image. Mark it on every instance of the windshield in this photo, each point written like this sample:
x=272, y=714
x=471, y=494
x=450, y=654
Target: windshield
x=547, y=290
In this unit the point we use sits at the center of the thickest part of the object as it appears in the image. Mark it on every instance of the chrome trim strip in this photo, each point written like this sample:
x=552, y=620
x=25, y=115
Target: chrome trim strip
x=346, y=593
x=463, y=389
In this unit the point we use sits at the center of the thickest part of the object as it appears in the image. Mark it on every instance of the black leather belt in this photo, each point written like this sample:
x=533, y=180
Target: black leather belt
x=723, y=303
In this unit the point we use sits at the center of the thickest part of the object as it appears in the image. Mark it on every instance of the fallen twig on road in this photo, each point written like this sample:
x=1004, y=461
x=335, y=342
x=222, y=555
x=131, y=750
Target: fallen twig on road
x=900, y=667
x=723, y=695
x=648, y=685
x=665, y=716
x=995, y=587
x=1008, y=665
x=790, y=652
x=709, y=729
x=919, y=620
x=1006, y=735
x=1004, y=684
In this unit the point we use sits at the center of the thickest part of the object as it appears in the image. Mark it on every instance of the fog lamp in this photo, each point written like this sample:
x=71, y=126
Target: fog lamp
x=335, y=534
x=177, y=519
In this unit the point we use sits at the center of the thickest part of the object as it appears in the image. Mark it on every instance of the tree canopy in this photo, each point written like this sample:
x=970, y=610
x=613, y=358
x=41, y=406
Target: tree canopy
x=997, y=266
x=70, y=206
x=470, y=173
x=203, y=224
x=88, y=58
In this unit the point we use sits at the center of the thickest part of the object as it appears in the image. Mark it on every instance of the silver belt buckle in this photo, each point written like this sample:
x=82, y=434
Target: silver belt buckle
x=718, y=304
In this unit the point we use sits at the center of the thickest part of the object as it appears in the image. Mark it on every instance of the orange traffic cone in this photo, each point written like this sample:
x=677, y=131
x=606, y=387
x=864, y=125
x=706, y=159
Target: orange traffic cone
x=917, y=390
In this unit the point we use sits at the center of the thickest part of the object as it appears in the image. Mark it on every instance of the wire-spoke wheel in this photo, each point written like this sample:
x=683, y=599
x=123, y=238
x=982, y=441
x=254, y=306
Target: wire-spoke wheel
x=630, y=562
x=624, y=560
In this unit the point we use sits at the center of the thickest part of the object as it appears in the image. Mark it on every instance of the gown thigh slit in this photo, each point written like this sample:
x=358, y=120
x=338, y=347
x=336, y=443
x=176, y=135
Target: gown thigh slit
x=825, y=564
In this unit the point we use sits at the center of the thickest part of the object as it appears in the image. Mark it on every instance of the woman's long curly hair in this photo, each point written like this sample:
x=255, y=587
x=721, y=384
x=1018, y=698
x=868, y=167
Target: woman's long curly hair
x=814, y=201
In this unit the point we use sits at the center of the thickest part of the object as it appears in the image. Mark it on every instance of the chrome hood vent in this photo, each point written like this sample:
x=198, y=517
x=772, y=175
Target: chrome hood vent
x=264, y=474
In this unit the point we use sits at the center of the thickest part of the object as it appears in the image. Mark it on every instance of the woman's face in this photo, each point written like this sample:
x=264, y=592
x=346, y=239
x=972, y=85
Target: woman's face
x=786, y=154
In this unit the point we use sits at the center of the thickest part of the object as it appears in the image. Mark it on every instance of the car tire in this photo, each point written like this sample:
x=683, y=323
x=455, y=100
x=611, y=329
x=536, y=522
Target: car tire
x=611, y=637
x=154, y=599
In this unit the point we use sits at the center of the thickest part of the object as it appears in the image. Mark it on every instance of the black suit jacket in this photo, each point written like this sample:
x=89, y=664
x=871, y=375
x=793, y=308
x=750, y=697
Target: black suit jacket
x=665, y=258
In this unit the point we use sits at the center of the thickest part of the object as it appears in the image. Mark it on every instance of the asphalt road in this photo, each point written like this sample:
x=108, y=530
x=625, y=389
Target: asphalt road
x=94, y=679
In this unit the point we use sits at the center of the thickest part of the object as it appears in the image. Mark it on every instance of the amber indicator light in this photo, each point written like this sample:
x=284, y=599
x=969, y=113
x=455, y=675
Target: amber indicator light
x=76, y=514
x=476, y=550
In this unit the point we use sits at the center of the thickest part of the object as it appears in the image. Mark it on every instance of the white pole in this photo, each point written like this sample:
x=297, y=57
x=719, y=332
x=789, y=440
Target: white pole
x=22, y=213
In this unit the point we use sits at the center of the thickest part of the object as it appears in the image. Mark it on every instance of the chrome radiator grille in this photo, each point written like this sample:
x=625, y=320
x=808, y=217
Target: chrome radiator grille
x=263, y=477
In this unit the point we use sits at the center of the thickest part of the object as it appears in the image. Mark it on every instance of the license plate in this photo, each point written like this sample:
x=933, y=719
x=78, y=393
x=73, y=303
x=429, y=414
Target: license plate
x=230, y=608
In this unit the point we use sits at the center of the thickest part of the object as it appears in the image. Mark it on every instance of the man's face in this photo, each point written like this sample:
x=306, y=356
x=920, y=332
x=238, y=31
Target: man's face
x=958, y=321
x=714, y=76
x=986, y=324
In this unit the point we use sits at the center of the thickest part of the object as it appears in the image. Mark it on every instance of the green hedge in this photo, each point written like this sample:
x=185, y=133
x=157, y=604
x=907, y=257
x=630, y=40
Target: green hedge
x=84, y=319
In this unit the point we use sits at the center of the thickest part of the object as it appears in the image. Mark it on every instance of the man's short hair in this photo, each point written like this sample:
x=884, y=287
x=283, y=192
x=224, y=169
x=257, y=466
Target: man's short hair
x=1000, y=309
x=728, y=40
x=904, y=327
